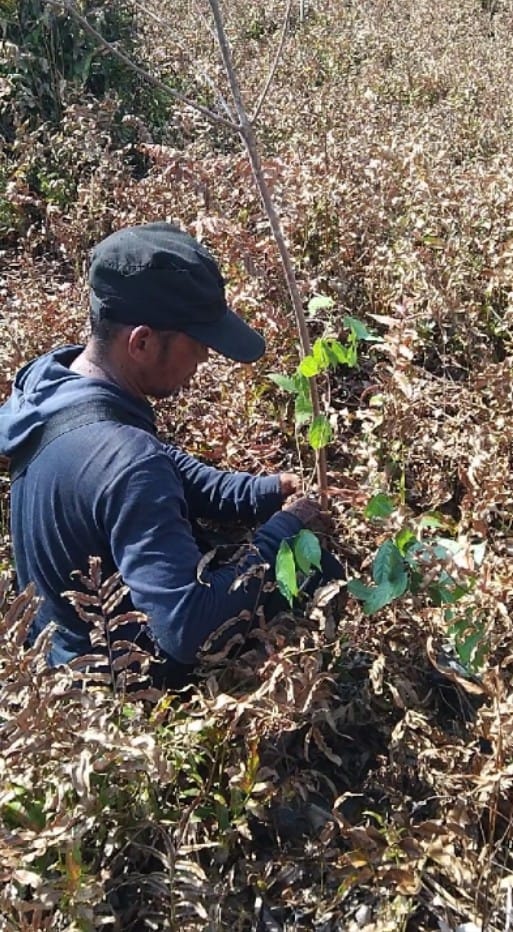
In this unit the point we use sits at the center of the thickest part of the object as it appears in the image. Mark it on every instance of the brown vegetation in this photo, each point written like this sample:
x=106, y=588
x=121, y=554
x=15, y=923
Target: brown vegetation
x=345, y=772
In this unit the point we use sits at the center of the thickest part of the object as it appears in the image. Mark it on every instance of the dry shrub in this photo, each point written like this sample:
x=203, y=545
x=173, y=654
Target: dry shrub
x=340, y=768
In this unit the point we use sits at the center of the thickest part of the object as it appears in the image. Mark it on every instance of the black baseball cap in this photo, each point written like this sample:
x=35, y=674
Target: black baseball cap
x=158, y=275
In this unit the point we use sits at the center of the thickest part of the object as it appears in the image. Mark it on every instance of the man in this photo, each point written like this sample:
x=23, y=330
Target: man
x=90, y=477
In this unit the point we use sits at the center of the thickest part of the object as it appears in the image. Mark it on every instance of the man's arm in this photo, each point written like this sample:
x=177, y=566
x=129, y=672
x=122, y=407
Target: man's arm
x=228, y=496
x=145, y=516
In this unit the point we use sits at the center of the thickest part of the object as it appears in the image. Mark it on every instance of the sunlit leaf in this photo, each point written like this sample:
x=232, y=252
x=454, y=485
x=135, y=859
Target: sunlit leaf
x=303, y=409
x=321, y=355
x=319, y=302
x=320, y=432
x=338, y=353
x=380, y=506
x=433, y=519
x=301, y=383
x=285, y=382
x=309, y=366
x=307, y=551
x=360, y=330
x=404, y=539
x=285, y=570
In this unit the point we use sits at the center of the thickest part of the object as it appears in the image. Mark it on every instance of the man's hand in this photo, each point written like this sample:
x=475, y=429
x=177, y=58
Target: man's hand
x=309, y=512
x=290, y=484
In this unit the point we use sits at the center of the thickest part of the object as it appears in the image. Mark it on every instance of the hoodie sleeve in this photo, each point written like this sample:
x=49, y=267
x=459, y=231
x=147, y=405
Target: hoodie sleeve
x=145, y=515
x=225, y=496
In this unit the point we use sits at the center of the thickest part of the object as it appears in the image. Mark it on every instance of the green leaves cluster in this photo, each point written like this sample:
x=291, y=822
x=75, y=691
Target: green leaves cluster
x=402, y=562
x=390, y=574
x=327, y=353
x=299, y=554
x=405, y=563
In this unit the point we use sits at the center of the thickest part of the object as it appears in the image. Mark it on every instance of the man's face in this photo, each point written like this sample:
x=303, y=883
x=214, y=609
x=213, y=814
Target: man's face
x=173, y=359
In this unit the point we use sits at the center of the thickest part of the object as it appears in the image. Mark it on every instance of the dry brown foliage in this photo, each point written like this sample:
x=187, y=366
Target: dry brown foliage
x=343, y=772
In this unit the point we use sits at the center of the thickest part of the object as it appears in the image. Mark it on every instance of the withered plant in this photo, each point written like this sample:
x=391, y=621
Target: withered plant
x=344, y=770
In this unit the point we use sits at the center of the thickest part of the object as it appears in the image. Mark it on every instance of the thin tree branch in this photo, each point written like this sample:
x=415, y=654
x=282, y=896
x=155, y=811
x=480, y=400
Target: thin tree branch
x=208, y=114
x=248, y=135
x=272, y=72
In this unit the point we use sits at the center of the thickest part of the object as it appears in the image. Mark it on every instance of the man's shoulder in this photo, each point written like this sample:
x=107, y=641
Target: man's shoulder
x=101, y=451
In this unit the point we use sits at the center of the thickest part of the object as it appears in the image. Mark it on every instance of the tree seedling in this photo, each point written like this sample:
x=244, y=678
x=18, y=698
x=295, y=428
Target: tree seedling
x=406, y=563
x=304, y=551
x=327, y=353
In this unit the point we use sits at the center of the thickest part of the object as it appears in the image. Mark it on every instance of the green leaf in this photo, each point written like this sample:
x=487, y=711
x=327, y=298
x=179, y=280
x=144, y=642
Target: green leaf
x=446, y=593
x=319, y=302
x=321, y=355
x=308, y=367
x=303, y=409
x=360, y=330
x=352, y=350
x=434, y=242
x=384, y=594
x=415, y=581
x=285, y=382
x=285, y=570
x=388, y=563
x=320, y=432
x=376, y=597
x=307, y=551
x=467, y=645
x=444, y=548
x=404, y=540
x=338, y=353
x=432, y=519
x=359, y=589
x=301, y=383
x=379, y=506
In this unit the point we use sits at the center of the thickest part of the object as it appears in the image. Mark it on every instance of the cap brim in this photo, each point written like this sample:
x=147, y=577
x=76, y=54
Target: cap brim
x=231, y=336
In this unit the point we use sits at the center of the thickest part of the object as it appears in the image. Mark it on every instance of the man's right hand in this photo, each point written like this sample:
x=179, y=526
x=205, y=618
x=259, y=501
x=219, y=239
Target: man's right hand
x=309, y=512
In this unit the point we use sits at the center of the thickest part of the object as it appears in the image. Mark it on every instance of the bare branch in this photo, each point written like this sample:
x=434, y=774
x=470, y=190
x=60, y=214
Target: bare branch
x=208, y=114
x=274, y=65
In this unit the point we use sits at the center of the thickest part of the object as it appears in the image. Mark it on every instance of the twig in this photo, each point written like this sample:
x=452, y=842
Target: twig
x=208, y=114
x=509, y=909
x=274, y=65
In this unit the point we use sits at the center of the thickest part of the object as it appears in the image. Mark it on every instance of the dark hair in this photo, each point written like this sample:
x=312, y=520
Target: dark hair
x=104, y=331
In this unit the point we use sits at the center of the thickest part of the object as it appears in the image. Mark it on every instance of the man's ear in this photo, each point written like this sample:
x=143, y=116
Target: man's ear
x=139, y=341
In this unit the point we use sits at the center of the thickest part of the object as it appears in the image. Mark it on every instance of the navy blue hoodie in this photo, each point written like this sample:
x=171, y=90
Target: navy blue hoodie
x=116, y=491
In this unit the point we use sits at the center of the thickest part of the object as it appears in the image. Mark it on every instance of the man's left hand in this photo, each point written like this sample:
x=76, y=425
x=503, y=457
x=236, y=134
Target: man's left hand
x=290, y=484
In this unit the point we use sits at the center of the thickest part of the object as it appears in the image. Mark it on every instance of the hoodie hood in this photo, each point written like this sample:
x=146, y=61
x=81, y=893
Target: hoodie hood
x=46, y=385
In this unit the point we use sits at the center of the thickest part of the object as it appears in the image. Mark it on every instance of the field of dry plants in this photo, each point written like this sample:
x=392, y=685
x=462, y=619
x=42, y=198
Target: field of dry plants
x=351, y=770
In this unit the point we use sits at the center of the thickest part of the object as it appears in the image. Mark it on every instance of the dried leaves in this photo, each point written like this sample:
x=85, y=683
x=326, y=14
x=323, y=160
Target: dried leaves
x=341, y=771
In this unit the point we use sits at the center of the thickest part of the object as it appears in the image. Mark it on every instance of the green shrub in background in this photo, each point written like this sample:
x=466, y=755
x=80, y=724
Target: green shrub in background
x=65, y=104
x=45, y=54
